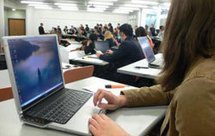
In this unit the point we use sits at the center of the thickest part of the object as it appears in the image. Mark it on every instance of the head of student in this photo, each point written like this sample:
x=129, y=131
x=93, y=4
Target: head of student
x=41, y=24
x=140, y=31
x=108, y=35
x=126, y=31
x=188, y=38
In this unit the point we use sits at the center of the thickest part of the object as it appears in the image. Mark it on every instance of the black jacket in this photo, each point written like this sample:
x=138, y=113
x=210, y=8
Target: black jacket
x=41, y=30
x=129, y=51
x=90, y=49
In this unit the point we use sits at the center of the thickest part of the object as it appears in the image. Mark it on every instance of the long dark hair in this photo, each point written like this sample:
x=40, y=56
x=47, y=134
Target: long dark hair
x=189, y=34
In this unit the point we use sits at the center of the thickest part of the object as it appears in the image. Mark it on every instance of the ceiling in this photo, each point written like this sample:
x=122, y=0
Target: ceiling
x=116, y=6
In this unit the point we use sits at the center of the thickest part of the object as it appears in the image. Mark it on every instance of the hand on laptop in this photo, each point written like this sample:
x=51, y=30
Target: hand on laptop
x=98, y=53
x=109, y=51
x=114, y=102
x=101, y=125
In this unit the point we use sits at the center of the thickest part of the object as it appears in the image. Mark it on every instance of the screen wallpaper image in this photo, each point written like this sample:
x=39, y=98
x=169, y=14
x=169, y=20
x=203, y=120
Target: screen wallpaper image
x=36, y=67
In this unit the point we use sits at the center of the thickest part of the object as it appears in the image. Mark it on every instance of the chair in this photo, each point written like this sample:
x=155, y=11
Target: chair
x=6, y=93
x=78, y=74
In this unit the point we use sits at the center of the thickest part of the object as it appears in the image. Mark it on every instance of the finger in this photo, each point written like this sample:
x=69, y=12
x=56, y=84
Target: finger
x=94, y=123
x=95, y=99
x=97, y=118
x=103, y=116
x=93, y=130
x=107, y=106
x=101, y=96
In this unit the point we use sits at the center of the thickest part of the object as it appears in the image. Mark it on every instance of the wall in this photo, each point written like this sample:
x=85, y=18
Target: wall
x=133, y=18
x=18, y=14
x=55, y=17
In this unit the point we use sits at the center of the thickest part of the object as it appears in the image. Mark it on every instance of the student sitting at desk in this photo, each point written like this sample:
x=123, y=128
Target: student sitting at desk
x=140, y=32
x=187, y=82
x=109, y=38
x=129, y=51
x=88, y=45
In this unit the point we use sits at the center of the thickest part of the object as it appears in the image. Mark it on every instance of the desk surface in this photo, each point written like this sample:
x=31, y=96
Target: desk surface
x=147, y=73
x=78, y=56
x=4, y=79
x=136, y=121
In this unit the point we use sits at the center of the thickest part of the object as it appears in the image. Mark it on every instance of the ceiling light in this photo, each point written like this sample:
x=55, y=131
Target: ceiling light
x=144, y=2
x=135, y=6
x=31, y=2
x=120, y=12
x=128, y=8
x=95, y=9
x=42, y=7
x=70, y=9
x=13, y=9
x=100, y=3
x=35, y=5
x=105, y=0
x=65, y=4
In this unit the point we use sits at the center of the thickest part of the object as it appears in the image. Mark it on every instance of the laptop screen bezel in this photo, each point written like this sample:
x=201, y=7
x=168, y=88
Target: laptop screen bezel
x=12, y=77
x=147, y=58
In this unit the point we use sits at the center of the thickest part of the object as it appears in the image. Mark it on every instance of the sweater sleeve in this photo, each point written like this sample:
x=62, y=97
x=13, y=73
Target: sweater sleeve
x=148, y=96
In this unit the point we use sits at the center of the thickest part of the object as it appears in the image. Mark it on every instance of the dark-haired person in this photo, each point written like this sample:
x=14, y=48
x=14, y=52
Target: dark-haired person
x=88, y=46
x=153, y=30
x=140, y=32
x=41, y=29
x=89, y=49
x=110, y=27
x=187, y=82
x=98, y=34
x=59, y=31
x=65, y=29
x=129, y=51
x=161, y=33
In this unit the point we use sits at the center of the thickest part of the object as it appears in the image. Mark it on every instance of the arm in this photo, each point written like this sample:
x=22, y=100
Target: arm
x=195, y=108
x=121, y=52
x=147, y=96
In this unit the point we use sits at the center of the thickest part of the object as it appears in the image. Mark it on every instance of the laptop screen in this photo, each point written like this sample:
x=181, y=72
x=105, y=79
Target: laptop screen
x=144, y=43
x=36, y=67
x=102, y=46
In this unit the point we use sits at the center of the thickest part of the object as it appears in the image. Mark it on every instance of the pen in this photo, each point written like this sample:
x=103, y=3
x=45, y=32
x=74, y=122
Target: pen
x=114, y=86
x=139, y=67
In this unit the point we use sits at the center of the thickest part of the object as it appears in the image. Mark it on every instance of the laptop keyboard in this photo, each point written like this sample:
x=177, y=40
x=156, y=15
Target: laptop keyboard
x=60, y=107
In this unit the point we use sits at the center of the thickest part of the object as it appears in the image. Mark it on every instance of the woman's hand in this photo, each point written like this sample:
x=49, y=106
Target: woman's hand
x=101, y=125
x=114, y=102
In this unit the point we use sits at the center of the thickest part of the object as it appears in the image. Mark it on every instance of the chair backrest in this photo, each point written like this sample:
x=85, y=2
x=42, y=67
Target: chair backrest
x=78, y=74
x=6, y=93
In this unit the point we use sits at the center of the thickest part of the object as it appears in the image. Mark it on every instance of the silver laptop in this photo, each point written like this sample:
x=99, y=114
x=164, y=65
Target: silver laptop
x=149, y=54
x=38, y=86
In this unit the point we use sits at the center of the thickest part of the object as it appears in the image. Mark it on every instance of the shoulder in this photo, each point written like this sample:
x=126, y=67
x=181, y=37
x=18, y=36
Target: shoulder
x=200, y=83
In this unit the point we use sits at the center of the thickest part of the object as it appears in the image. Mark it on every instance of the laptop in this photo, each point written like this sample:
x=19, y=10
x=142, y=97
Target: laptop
x=38, y=86
x=149, y=54
x=102, y=46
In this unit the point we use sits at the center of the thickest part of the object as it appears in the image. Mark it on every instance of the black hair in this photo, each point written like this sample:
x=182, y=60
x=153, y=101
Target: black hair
x=93, y=37
x=161, y=27
x=126, y=29
x=140, y=31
